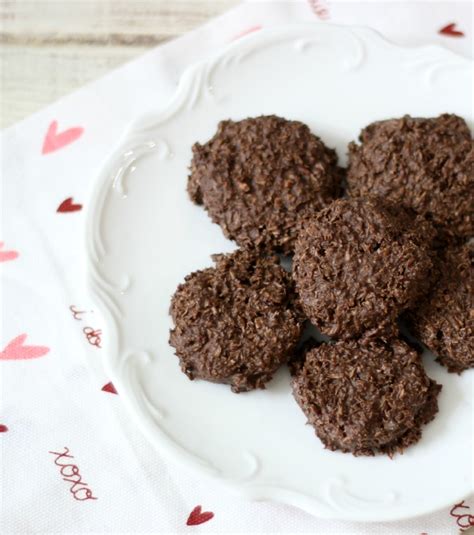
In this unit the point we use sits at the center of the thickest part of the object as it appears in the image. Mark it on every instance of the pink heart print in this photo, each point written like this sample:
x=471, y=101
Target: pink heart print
x=55, y=141
x=7, y=255
x=251, y=29
x=15, y=350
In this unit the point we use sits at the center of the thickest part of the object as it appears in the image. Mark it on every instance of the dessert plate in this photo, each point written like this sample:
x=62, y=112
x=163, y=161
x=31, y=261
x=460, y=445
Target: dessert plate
x=144, y=235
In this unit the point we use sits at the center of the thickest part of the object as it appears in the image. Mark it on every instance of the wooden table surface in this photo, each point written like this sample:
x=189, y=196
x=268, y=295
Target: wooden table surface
x=51, y=47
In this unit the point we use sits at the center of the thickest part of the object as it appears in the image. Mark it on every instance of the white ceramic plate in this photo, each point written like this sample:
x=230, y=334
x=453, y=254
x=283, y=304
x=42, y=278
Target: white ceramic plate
x=144, y=235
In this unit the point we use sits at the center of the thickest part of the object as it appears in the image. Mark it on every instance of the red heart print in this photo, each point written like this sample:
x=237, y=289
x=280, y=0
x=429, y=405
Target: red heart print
x=3, y=428
x=68, y=206
x=450, y=30
x=15, y=350
x=197, y=517
x=54, y=140
x=7, y=255
x=110, y=388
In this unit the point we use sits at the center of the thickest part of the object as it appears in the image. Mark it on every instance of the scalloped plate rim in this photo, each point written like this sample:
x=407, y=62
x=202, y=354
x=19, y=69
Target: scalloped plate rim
x=159, y=116
x=163, y=444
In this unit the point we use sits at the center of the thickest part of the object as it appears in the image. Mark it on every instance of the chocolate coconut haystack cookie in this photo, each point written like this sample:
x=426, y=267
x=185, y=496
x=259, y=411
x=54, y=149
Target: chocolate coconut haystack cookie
x=256, y=177
x=237, y=322
x=423, y=164
x=444, y=321
x=357, y=266
x=365, y=396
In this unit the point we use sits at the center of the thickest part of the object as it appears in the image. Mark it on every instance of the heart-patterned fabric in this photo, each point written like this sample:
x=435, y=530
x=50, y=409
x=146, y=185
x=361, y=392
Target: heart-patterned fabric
x=72, y=462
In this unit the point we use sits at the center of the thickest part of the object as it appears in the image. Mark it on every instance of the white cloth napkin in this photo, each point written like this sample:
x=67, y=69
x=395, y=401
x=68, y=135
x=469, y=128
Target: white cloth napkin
x=71, y=460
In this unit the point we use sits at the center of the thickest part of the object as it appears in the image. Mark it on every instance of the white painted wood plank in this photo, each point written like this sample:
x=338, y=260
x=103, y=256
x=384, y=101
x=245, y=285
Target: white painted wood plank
x=99, y=18
x=51, y=47
x=33, y=77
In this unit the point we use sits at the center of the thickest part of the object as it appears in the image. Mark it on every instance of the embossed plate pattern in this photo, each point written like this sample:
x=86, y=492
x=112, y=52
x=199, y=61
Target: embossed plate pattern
x=144, y=235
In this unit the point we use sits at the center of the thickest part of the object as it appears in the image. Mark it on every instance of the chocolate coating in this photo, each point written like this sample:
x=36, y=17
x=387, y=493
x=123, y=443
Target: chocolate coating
x=444, y=321
x=358, y=265
x=365, y=396
x=423, y=164
x=237, y=322
x=258, y=176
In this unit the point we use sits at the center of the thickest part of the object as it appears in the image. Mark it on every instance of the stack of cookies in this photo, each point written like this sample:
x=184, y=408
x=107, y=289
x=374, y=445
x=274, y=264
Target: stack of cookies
x=383, y=241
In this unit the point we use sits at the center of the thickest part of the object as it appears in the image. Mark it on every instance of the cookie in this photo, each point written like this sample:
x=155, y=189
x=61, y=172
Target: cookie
x=258, y=176
x=423, y=164
x=358, y=265
x=444, y=320
x=237, y=322
x=365, y=396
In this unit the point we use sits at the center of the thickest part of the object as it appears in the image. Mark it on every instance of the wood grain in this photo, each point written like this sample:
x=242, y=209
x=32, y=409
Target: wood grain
x=51, y=47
